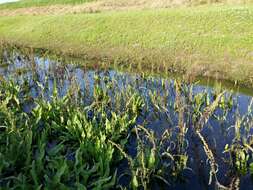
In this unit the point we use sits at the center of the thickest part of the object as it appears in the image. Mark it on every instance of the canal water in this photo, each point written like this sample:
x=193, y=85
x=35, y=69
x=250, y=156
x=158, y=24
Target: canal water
x=158, y=116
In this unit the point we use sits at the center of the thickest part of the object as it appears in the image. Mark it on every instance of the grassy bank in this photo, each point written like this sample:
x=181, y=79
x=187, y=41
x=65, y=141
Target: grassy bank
x=34, y=3
x=209, y=41
x=123, y=3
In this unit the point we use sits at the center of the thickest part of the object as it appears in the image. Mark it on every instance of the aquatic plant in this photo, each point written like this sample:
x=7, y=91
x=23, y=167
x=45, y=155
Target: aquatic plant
x=70, y=127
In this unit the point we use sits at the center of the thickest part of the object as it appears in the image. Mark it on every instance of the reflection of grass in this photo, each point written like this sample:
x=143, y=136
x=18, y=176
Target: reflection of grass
x=210, y=41
x=30, y=3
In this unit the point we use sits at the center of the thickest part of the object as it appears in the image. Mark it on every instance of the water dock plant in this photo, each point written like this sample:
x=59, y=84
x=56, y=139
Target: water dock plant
x=70, y=127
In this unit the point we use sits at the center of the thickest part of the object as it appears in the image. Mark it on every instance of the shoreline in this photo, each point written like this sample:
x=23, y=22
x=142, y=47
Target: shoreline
x=90, y=63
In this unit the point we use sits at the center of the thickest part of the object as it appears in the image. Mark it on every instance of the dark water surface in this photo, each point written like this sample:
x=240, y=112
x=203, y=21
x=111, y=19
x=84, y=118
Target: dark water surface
x=36, y=71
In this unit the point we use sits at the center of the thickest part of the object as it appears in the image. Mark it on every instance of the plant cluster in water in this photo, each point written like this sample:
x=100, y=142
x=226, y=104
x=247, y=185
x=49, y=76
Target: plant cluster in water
x=67, y=127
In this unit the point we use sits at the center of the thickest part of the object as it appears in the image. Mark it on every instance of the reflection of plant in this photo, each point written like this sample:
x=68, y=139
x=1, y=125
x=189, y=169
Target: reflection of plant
x=239, y=157
x=240, y=150
x=154, y=160
x=239, y=161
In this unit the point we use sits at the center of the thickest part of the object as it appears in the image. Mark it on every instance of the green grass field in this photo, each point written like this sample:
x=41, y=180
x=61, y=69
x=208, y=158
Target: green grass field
x=31, y=3
x=212, y=41
x=161, y=3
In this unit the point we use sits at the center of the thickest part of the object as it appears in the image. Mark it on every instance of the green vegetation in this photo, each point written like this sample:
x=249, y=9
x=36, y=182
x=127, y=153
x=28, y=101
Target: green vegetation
x=35, y=3
x=64, y=143
x=87, y=126
x=209, y=41
x=125, y=3
x=104, y=135
x=67, y=145
x=58, y=145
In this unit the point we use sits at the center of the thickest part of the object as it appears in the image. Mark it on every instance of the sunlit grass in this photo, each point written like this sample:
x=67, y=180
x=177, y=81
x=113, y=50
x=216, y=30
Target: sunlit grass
x=34, y=3
x=209, y=41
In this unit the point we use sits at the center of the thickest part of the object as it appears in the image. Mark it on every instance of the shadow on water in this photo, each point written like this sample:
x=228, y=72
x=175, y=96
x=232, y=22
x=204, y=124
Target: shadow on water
x=42, y=71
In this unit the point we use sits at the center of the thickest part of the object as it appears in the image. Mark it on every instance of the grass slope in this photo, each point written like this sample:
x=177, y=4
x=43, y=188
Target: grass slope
x=212, y=41
x=35, y=3
x=125, y=3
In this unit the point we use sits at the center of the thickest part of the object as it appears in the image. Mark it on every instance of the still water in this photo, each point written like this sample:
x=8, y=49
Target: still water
x=43, y=71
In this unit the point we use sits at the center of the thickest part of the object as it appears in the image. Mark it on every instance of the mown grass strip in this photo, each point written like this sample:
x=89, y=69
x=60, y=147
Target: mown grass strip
x=36, y=3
